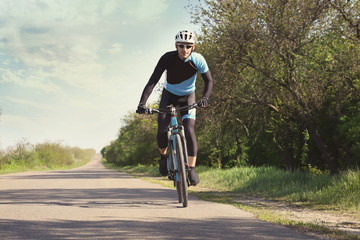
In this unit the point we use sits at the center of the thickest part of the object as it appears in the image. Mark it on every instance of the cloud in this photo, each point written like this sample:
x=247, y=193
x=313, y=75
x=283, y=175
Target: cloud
x=115, y=48
x=51, y=12
x=27, y=103
x=54, y=40
x=146, y=10
x=62, y=42
x=33, y=79
x=19, y=121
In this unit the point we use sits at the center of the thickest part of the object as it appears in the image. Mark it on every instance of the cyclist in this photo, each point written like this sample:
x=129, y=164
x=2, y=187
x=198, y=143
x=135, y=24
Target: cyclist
x=181, y=68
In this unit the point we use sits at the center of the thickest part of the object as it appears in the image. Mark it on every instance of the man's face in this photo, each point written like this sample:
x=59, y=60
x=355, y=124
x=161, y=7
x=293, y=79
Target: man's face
x=184, y=49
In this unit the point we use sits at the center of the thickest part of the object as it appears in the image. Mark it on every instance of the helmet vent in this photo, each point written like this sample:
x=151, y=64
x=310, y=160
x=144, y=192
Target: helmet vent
x=185, y=36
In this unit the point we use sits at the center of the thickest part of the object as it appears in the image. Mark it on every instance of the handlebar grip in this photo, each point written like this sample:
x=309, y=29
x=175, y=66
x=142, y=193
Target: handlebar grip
x=148, y=111
x=137, y=111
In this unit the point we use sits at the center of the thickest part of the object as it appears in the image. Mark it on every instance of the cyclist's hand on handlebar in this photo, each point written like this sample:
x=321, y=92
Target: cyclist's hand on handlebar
x=204, y=102
x=142, y=109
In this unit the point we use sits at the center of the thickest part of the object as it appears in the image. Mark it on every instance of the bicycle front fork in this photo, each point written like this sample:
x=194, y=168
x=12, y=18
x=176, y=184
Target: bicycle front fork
x=172, y=160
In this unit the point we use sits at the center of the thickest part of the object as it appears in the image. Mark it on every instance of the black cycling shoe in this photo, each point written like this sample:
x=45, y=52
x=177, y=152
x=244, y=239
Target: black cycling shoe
x=163, y=165
x=193, y=177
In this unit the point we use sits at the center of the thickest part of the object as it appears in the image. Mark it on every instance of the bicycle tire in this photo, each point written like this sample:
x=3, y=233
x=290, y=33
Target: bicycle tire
x=172, y=168
x=178, y=189
x=183, y=192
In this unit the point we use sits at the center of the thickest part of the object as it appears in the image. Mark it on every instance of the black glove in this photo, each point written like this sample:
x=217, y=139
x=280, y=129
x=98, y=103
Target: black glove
x=204, y=102
x=142, y=109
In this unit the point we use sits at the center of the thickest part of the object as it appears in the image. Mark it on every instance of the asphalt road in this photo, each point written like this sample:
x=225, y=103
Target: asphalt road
x=92, y=202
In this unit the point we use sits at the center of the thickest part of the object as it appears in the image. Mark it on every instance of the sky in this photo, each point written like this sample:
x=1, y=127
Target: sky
x=71, y=70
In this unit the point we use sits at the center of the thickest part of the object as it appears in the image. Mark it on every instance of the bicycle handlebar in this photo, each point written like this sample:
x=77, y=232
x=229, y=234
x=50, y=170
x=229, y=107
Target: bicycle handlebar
x=170, y=109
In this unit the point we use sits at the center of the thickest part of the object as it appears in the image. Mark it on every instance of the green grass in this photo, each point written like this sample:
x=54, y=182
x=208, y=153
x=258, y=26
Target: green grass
x=337, y=192
x=340, y=191
x=15, y=168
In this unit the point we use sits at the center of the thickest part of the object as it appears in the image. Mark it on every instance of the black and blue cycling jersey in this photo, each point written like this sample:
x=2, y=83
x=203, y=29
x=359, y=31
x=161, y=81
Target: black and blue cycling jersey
x=180, y=75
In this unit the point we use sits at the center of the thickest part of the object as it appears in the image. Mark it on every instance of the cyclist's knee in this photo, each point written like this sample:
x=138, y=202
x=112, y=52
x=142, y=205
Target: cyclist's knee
x=163, y=150
x=162, y=139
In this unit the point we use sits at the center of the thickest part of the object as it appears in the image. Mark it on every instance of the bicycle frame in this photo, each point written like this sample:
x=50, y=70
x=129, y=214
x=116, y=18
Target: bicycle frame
x=172, y=131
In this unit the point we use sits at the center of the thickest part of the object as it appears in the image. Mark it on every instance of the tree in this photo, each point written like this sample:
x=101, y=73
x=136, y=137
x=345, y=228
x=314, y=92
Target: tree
x=285, y=68
x=136, y=143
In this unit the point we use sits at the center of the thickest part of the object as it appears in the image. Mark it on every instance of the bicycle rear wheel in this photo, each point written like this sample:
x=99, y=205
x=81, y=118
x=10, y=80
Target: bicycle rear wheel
x=182, y=183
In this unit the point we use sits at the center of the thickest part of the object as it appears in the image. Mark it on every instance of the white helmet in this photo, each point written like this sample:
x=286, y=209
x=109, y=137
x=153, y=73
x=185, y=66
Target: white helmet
x=185, y=36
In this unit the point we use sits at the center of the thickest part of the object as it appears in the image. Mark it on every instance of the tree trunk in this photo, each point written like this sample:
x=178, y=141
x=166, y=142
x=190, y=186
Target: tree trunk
x=323, y=148
x=287, y=157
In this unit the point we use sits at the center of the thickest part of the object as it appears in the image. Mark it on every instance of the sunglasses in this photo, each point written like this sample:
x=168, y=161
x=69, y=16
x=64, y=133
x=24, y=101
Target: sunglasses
x=186, y=46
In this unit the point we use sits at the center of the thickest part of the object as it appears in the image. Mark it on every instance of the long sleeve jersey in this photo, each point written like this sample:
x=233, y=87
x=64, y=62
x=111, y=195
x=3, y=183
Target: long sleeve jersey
x=180, y=75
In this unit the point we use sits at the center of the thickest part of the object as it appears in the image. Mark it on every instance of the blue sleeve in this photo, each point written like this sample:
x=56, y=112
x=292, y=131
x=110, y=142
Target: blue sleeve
x=200, y=62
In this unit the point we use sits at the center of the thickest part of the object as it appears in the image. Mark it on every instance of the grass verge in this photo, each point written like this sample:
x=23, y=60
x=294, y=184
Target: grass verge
x=46, y=156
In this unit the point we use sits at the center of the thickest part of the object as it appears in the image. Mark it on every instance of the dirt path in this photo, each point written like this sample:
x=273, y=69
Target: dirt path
x=348, y=222
x=92, y=202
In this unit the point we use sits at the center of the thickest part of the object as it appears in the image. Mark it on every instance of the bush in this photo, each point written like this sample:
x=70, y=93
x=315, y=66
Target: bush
x=136, y=143
x=52, y=155
x=25, y=156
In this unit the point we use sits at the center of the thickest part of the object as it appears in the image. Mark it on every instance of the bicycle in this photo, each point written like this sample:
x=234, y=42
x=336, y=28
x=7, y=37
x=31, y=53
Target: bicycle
x=178, y=165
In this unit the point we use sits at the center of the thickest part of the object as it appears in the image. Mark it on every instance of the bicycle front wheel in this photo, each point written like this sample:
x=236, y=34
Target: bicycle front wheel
x=182, y=184
x=172, y=168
